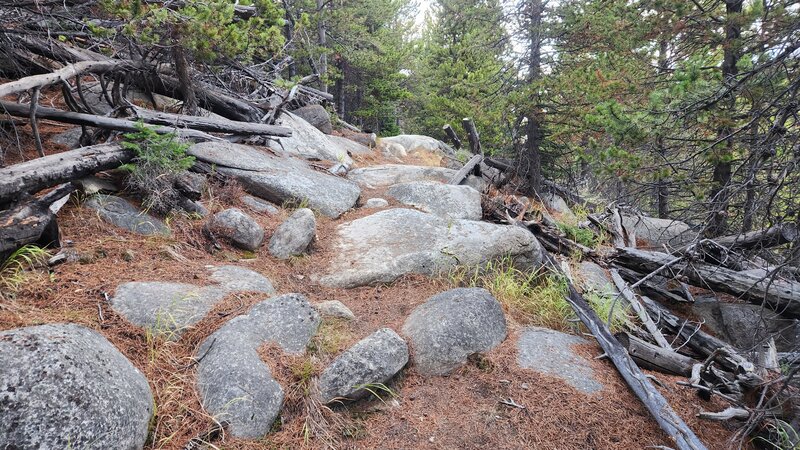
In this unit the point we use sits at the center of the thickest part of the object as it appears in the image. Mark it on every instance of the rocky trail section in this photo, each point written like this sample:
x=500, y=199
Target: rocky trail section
x=329, y=246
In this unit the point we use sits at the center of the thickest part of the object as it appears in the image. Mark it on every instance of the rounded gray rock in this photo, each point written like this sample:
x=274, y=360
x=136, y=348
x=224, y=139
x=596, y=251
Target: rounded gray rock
x=550, y=352
x=449, y=327
x=233, y=382
x=294, y=235
x=121, y=213
x=238, y=228
x=373, y=360
x=66, y=386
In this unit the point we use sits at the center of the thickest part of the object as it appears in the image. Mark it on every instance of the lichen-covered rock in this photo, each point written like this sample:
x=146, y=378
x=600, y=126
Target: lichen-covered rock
x=169, y=308
x=391, y=243
x=373, y=360
x=294, y=235
x=550, y=352
x=119, y=212
x=237, y=227
x=413, y=143
x=446, y=200
x=280, y=179
x=65, y=386
x=233, y=382
x=449, y=327
x=307, y=141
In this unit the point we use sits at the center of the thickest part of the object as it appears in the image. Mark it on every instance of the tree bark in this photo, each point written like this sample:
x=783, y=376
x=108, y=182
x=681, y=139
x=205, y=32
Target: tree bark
x=721, y=178
x=190, y=104
x=322, y=35
x=30, y=222
x=63, y=74
x=531, y=159
x=210, y=124
x=654, y=357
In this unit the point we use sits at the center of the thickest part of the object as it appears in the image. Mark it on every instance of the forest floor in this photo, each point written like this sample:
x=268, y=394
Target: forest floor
x=461, y=411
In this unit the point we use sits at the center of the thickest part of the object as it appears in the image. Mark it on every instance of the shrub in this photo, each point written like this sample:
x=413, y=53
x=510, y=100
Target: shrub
x=12, y=270
x=160, y=158
x=582, y=236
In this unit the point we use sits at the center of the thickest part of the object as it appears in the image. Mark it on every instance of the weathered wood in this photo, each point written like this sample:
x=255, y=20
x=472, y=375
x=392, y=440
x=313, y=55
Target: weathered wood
x=651, y=287
x=640, y=311
x=31, y=222
x=37, y=174
x=783, y=296
x=63, y=74
x=677, y=430
x=451, y=133
x=654, y=357
x=472, y=135
x=696, y=339
x=766, y=238
x=210, y=124
x=468, y=168
x=92, y=120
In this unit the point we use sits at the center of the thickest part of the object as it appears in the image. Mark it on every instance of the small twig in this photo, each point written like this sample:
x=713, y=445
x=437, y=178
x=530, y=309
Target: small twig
x=510, y=402
x=34, y=126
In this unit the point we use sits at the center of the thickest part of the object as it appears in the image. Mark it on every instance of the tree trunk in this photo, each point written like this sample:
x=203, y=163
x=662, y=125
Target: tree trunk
x=31, y=222
x=323, y=43
x=662, y=192
x=721, y=178
x=190, y=105
x=531, y=159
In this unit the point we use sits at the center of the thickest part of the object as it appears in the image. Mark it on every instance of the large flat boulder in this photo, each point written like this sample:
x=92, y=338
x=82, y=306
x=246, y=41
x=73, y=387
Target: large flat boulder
x=391, y=243
x=169, y=308
x=234, y=384
x=279, y=179
x=656, y=233
x=307, y=141
x=446, y=200
x=449, y=327
x=373, y=360
x=121, y=213
x=550, y=352
x=391, y=174
x=66, y=386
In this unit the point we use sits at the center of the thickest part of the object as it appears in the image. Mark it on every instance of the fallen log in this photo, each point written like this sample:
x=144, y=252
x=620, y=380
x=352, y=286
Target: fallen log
x=210, y=124
x=782, y=296
x=651, y=287
x=640, y=311
x=108, y=123
x=210, y=98
x=677, y=430
x=766, y=238
x=699, y=341
x=31, y=222
x=63, y=74
x=654, y=357
x=37, y=174
x=468, y=168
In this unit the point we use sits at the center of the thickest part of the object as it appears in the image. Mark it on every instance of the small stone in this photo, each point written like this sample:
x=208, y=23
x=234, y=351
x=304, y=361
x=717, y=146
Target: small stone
x=376, y=203
x=237, y=227
x=335, y=308
x=121, y=213
x=293, y=236
x=128, y=255
x=259, y=205
x=525, y=386
x=373, y=360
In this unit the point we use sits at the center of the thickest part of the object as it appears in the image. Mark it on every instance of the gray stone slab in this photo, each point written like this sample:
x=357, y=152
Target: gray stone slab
x=446, y=200
x=391, y=174
x=550, y=352
x=121, y=213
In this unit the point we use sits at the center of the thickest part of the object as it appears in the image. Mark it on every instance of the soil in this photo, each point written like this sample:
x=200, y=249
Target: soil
x=462, y=411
